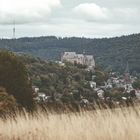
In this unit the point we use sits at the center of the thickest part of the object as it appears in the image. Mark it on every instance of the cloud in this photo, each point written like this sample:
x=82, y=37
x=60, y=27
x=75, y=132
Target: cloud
x=125, y=15
x=90, y=18
x=91, y=11
x=95, y=13
x=25, y=11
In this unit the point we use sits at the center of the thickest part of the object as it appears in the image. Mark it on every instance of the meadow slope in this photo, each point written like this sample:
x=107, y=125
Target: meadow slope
x=118, y=124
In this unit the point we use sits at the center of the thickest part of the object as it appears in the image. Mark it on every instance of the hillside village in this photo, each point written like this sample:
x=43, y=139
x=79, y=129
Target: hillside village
x=71, y=81
x=113, y=83
x=117, y=88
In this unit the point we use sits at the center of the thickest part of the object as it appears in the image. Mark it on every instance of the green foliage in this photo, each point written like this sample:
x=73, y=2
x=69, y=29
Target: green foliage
x=136, y=84
x=14, y=77
x=111, y=53
x=100, y=76
x=71, y=81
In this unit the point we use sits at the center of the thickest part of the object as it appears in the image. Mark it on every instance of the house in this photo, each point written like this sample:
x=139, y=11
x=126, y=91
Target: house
x=92, y=84
x=84, y=102
x=100, y=93
x=137, y=92
x=35, y=89
x=60, y=63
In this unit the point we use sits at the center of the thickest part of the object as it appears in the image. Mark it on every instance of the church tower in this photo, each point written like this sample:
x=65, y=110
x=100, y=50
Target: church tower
x=127, y=74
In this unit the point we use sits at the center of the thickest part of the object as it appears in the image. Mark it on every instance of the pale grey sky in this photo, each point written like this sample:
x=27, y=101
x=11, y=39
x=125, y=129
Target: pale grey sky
x=89, y=18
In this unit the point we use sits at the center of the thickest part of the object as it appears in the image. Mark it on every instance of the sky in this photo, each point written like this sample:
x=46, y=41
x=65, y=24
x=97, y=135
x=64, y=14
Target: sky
x=67, y=18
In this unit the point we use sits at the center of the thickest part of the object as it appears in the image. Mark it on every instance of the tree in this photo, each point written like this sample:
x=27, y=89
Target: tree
x=100, y=78
x=14, y=77
x=136, y=84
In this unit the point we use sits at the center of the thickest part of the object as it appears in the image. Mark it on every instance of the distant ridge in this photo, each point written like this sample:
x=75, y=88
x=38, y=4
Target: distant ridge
x=111, y=53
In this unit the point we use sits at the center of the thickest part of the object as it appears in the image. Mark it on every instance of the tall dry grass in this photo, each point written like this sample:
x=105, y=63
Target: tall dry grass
x=117, y=124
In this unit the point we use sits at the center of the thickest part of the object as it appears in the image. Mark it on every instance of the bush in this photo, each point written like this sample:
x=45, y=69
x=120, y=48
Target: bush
x=136, y=84
x=7, y=102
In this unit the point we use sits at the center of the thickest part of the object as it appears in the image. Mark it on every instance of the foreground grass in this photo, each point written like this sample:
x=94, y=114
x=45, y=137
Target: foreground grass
x=118, y=124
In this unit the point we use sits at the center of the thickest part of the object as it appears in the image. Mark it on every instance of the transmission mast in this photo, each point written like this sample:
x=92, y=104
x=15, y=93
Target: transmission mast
x=14, y=30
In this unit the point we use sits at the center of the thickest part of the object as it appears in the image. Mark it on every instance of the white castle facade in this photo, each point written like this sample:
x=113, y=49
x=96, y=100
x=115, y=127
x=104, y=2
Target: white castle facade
x=73, y=57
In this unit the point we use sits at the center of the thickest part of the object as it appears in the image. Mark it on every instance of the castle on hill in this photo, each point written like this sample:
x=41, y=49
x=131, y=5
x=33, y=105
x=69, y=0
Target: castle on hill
x=75, y=58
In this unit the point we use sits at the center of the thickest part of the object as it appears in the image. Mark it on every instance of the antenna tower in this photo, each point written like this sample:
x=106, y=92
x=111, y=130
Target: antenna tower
x=14, y=30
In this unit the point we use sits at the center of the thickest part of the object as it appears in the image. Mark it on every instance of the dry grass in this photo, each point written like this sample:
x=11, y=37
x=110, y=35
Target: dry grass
x=118, y=124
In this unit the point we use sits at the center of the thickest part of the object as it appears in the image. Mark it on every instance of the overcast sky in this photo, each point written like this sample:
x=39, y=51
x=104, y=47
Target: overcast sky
x=88, y=18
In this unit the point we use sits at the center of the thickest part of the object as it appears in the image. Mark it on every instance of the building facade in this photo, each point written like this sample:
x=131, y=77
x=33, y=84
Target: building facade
x=73, y=57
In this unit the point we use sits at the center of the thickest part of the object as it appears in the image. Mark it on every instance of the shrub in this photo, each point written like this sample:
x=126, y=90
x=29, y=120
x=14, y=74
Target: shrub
x=7, y=102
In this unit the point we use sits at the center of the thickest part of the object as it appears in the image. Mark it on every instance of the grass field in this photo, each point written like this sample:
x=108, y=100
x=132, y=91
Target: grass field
x=117, y=124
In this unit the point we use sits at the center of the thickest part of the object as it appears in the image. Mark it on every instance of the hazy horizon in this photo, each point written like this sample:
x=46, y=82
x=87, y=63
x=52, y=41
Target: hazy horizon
x=107, y=37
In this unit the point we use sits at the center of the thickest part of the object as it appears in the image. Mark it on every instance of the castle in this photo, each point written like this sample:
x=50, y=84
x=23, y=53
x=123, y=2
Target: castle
x=83, y=59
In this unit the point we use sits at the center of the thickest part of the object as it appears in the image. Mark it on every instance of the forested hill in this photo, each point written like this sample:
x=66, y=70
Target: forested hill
x=112, y=53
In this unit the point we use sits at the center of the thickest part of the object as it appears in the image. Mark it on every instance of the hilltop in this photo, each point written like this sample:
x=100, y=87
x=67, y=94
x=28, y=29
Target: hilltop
x=111, y=53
